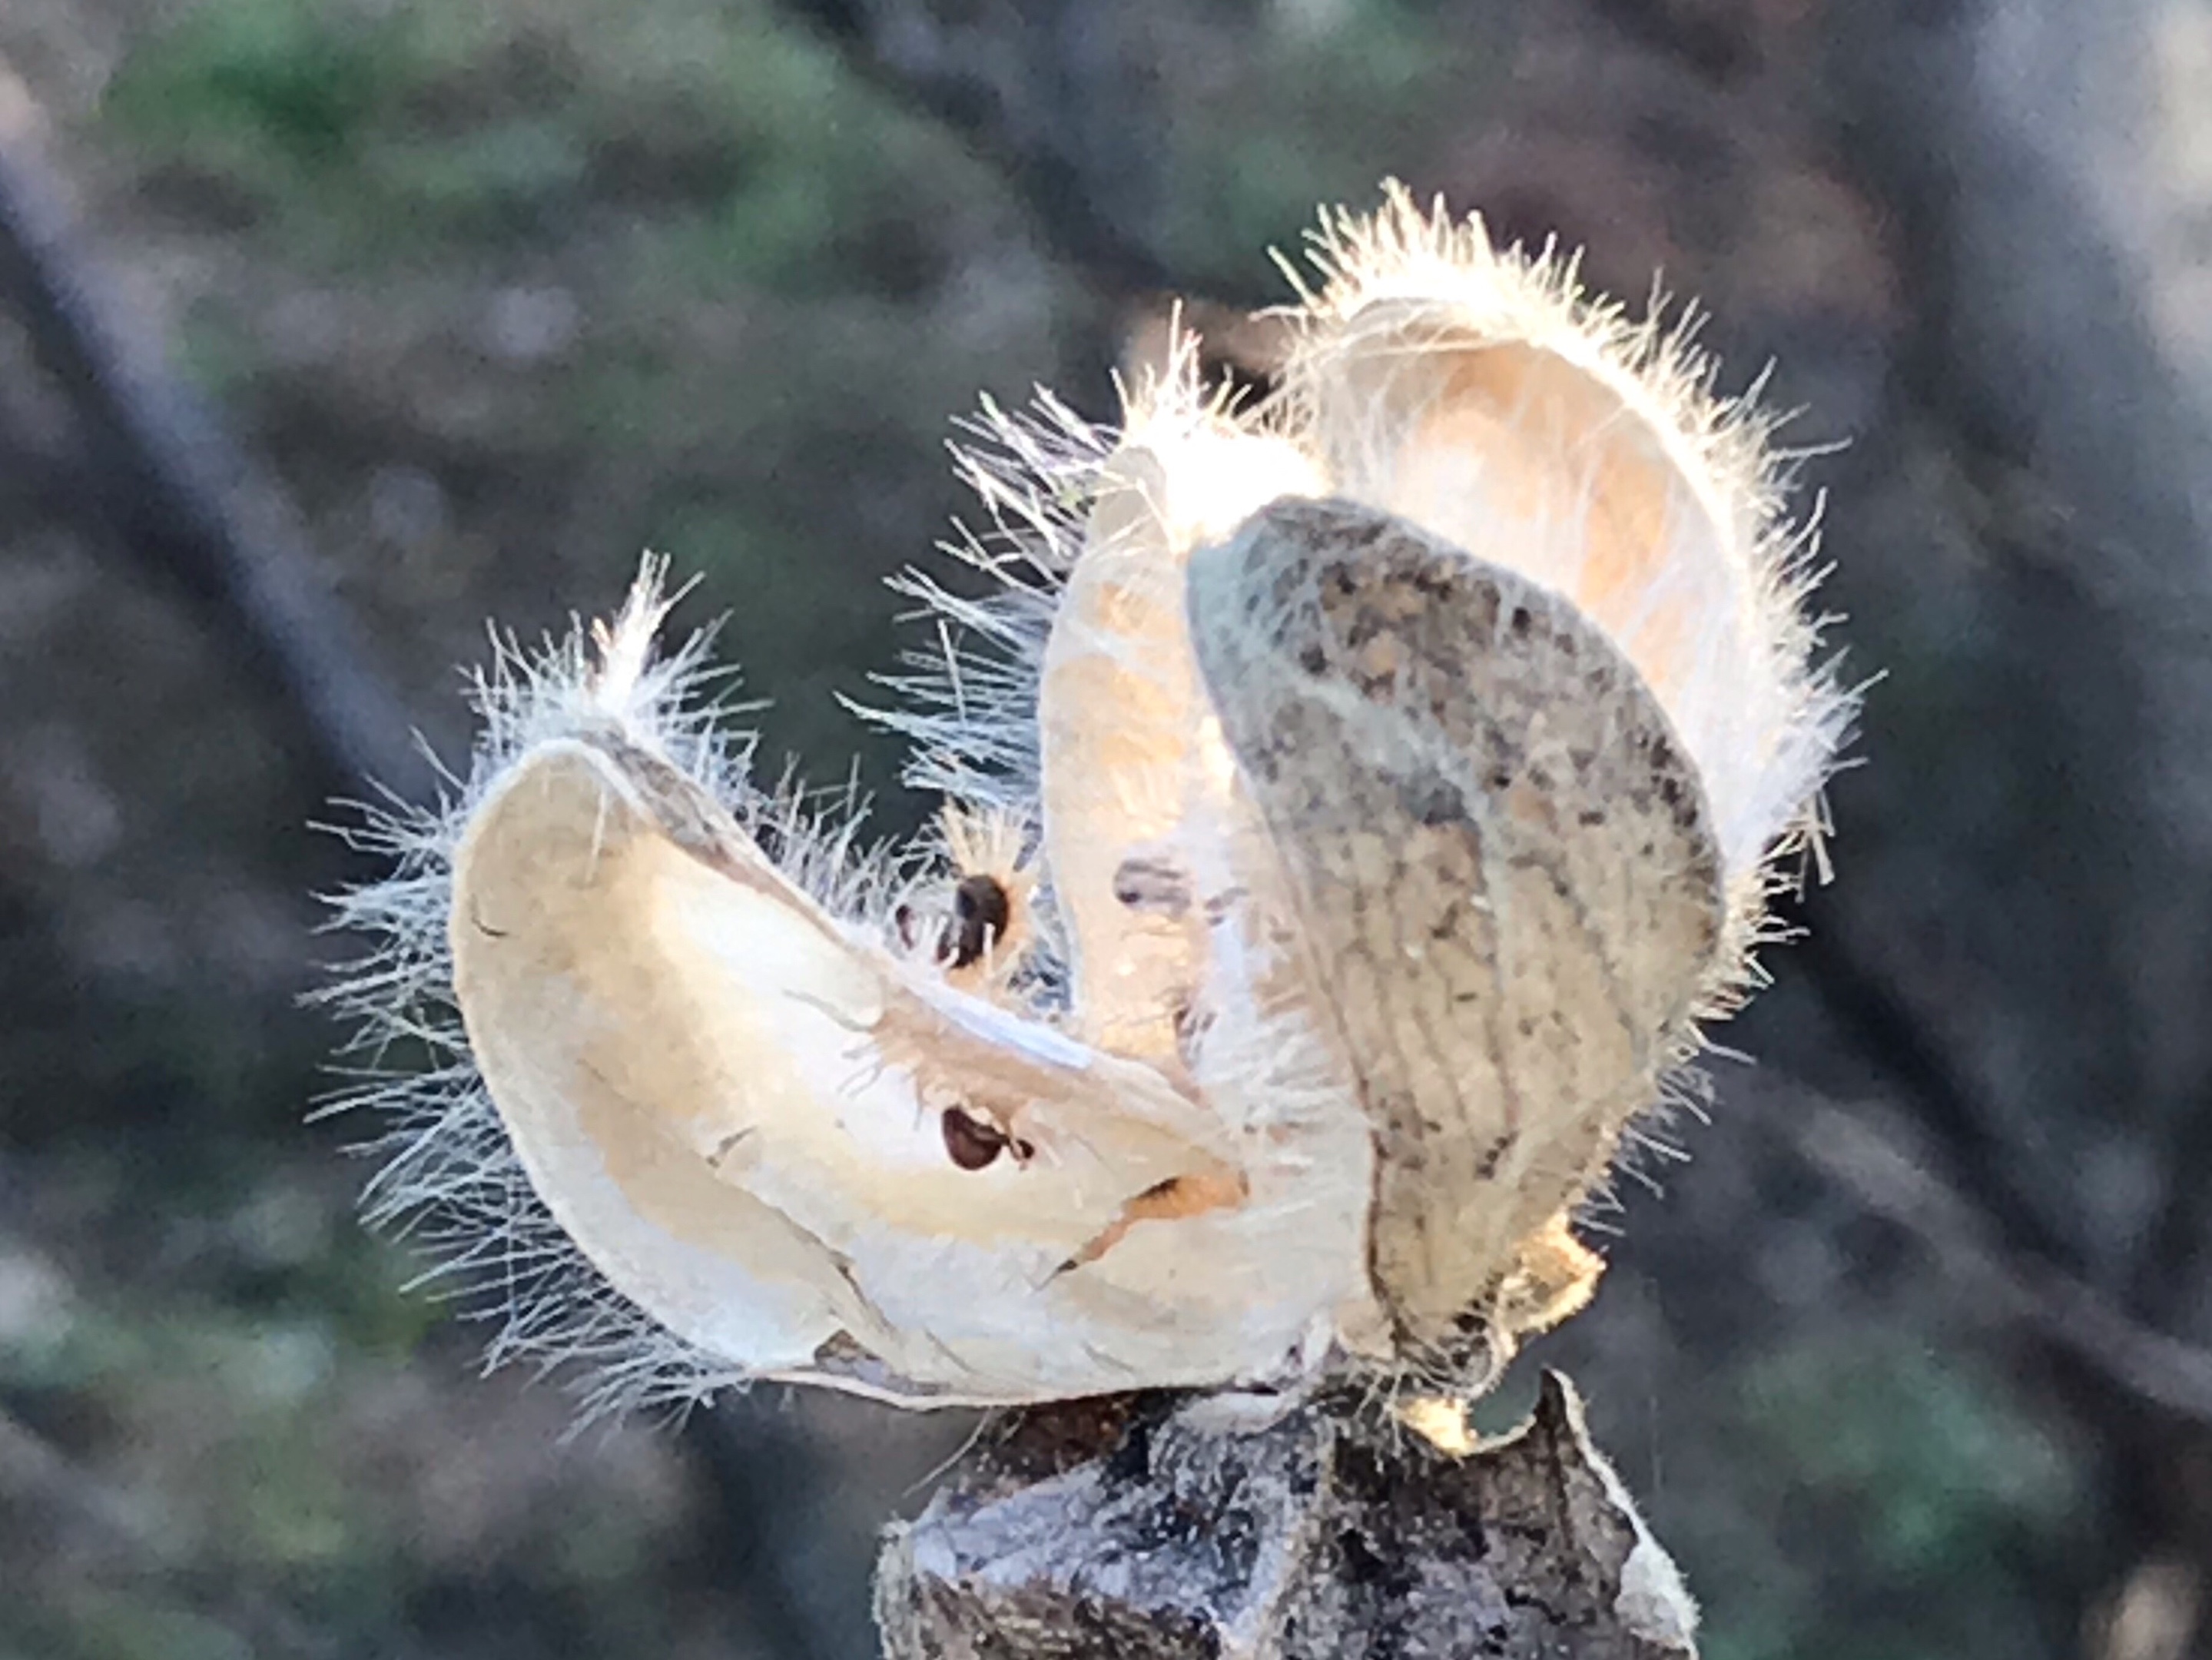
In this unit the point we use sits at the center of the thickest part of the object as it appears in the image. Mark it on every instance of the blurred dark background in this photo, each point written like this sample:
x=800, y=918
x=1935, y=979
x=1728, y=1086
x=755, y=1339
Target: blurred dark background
x=331, y=328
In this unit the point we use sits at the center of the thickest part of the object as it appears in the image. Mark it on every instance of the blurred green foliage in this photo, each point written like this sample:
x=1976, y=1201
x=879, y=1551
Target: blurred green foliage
x=417, y=132
x=1910, y=1474
x=726, y=267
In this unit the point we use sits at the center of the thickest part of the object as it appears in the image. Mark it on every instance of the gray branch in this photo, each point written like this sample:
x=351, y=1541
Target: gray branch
x=1150, y=1528
x=159, y=469
x=1048, y=93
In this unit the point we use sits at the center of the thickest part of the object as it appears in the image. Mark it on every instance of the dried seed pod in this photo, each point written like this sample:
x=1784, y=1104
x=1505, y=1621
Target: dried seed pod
x=1129, y=762
x=783, y=1142
x=1507, y=892
x=1615, y=580
x=1353, y=824
x=1480, y=393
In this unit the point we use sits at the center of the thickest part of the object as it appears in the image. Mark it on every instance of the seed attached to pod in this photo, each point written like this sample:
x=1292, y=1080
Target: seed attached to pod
x=981, y=911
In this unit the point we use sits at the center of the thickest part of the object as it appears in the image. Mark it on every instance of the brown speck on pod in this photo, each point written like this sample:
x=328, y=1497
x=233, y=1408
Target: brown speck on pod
x=1153, y=884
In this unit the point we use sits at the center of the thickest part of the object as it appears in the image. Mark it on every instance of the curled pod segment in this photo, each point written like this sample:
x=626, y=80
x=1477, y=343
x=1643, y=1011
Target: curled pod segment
x=1507, y=891
x=810, y=1157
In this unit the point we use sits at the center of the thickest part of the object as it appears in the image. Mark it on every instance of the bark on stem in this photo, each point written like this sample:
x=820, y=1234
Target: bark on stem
x=1155, y=1528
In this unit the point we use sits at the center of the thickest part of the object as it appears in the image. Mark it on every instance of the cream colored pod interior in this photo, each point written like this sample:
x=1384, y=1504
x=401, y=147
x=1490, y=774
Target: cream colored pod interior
x=1129, y=750
x=1405, y=758
x=810, y=1156
x=1477, y=393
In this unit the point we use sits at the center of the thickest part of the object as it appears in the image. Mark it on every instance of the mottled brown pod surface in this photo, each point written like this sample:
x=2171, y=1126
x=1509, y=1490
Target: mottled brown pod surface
x=1502, y=866
x=1138, y=1529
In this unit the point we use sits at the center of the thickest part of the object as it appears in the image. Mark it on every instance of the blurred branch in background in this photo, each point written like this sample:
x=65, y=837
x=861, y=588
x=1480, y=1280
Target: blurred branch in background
x=1887, y=1170
x=73, y=1514
x=1874, y=1017
x=1067, y=101
x=156, y=464
x=1058, y=96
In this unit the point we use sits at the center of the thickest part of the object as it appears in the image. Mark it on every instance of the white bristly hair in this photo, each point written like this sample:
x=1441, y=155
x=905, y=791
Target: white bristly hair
x=448, y=1181
x=1761, y=713
x=1398, y=294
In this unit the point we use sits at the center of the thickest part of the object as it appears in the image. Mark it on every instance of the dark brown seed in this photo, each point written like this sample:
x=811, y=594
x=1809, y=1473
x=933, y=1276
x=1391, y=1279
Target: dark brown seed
x=980, y=911
x=973, y=1143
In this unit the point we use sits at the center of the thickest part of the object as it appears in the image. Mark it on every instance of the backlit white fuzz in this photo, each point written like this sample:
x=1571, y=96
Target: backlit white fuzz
x=1481, y=393
x=1353, y=802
